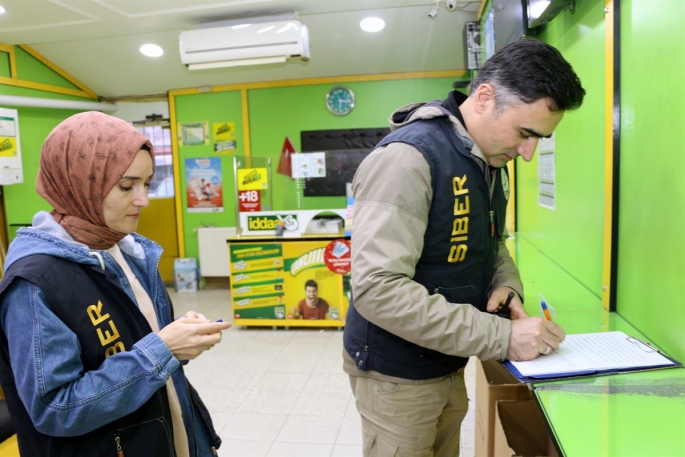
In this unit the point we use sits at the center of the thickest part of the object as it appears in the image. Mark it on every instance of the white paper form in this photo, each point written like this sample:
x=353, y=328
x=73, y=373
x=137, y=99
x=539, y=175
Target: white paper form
x=594, y=352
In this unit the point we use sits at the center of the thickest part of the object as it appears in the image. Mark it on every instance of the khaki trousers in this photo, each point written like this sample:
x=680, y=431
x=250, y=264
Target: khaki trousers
x=417, y=420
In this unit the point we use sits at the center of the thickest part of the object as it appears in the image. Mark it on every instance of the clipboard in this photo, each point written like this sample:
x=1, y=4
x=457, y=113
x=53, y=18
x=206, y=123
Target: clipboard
x=633, y=346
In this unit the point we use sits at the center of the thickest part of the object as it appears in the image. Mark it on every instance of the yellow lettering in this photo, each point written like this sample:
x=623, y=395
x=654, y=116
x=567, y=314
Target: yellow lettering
x=462, y=207
x=461, y=225
x=108, y=337
x=94, y=312
x=457, y=253
x=458, y=185
x=119, y=347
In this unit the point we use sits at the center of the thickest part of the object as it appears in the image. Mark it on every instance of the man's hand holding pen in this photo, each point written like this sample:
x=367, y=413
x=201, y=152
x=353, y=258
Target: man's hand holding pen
x=530, y=336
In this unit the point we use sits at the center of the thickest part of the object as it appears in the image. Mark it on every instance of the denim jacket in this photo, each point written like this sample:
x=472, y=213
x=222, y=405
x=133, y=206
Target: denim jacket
x=60, y=399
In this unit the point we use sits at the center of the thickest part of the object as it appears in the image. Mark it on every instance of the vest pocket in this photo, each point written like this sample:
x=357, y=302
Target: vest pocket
x=464, y=294
x=150, y=438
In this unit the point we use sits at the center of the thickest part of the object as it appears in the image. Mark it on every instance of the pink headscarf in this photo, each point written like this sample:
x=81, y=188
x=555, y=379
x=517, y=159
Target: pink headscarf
x=81, y=161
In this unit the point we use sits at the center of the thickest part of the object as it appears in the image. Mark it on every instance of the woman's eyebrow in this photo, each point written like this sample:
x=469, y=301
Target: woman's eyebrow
x=133, y=177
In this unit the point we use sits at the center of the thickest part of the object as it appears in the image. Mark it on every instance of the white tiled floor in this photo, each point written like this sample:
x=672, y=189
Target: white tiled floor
x=281, y=393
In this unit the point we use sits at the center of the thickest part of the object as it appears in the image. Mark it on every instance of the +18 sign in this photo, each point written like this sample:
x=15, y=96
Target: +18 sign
x=250, y=200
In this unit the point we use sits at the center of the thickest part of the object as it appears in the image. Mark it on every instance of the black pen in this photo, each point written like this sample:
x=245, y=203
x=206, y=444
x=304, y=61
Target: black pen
x=503, y=310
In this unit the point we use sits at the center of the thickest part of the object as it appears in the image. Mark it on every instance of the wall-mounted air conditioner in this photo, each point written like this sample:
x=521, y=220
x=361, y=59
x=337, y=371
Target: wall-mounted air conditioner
x=244, y=44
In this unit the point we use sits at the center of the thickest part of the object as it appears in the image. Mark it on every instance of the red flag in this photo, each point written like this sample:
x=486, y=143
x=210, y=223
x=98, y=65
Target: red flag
x=285, y=166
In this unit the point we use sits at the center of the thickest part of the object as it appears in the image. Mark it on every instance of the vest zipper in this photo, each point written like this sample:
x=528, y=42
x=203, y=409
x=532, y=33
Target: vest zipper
x=120, y=452
x=492, y=224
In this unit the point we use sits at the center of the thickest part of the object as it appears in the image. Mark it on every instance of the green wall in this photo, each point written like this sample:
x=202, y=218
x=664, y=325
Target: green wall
x=21, y=200
x=569, y=240
x=572, y=234
x=651, y=277
x=214, y=107
x=31, y=69
x=277, y=112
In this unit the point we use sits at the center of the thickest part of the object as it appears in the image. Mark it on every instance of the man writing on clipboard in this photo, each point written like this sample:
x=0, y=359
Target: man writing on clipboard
x=428, y=255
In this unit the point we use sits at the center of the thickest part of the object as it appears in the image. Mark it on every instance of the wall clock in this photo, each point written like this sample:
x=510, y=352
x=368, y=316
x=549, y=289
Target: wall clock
x=340, y=100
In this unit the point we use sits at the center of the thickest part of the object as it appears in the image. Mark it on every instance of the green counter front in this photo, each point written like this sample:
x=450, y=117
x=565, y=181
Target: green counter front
x=270, y=277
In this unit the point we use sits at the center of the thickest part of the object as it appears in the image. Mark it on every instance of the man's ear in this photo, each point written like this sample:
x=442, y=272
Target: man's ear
x=483, y=96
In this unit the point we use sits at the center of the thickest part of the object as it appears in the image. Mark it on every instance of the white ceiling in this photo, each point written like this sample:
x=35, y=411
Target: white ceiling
x=97, y=41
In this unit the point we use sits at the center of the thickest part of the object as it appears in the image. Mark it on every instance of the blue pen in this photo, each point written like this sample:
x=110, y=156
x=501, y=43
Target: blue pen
x=544, y=310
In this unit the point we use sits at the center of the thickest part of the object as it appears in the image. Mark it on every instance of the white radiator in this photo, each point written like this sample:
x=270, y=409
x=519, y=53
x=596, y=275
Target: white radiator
x=214, y=250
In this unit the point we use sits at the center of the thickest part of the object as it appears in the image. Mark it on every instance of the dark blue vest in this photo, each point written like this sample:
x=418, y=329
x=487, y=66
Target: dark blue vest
x=106, y=321
x=458, y=257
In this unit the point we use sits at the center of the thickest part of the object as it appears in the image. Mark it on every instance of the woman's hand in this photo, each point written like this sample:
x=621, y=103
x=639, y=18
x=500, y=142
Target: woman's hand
x=191, y=335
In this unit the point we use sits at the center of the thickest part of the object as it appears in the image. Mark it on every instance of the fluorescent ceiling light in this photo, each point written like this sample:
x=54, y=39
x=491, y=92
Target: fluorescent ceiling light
x=537, y=9
x=236, y=63
x=372, y=24
x=151, y=50
x=2, y=10
x=14, y=100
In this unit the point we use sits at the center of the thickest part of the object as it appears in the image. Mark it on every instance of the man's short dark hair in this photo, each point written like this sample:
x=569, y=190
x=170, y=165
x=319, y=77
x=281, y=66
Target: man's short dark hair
x=530, y=70
x=311, y=283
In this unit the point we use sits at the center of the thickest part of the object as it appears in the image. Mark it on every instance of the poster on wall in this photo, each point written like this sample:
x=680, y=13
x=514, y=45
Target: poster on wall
x=193, y=133
x=224, y=137
x=11, y=171
x=546, y=173
x=309, y=165
x=253, y=179
x=203, y=185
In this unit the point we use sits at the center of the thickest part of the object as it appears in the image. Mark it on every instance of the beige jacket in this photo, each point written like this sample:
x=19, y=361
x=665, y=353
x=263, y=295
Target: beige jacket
x=392, y=197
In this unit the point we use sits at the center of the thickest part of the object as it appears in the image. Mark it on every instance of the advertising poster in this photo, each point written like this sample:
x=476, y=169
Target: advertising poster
x=193, y=133
x=289, y=281
x=224, y=137
x=256, y=281
x=309, y=165
x=313, y=291
x=252, y=179
x=11, y=171
x=203, y=185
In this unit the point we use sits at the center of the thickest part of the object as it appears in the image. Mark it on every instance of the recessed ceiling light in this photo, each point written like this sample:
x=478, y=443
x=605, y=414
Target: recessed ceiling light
x=151, y=50
x=372, y=24
x=2, y=10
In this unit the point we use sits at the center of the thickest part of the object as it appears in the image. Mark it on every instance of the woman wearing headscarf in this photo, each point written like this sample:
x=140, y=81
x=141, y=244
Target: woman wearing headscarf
x=90, y=356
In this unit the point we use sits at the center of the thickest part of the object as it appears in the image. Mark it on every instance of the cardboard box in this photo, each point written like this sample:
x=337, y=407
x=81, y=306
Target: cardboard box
x=520, y=431
x=493, y=383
